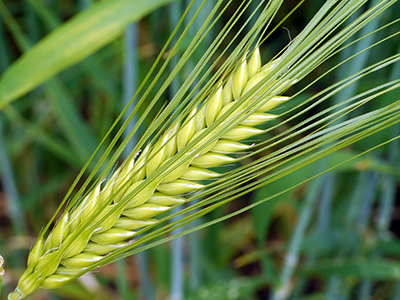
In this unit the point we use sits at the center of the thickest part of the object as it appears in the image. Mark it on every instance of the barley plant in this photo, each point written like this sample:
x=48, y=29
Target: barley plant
x=216, y=120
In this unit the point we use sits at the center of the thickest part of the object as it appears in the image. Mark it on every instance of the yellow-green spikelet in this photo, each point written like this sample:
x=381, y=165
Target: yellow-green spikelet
x=53, y=262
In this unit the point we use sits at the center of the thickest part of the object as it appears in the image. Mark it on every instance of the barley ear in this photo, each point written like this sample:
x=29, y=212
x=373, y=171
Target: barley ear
x=128, y=201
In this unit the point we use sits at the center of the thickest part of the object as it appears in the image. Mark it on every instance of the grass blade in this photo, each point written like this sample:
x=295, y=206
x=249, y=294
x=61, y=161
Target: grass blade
x=10, y=187
x=84, y=34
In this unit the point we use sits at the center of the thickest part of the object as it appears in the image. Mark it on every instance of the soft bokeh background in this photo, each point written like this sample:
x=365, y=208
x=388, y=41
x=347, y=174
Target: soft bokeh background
x=336, y=237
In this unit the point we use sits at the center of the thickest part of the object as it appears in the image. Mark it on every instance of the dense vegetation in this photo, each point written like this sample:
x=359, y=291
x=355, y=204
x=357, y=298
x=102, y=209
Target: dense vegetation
x=334, y=236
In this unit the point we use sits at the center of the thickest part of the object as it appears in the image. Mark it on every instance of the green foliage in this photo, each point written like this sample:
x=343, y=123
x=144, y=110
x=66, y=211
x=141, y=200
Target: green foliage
x=267, y=228
x=360, y=269
x=86, y=33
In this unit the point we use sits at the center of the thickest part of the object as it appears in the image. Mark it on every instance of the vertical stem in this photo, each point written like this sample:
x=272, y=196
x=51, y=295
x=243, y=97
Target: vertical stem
x=364, y=216
x=122, y=280
x=130, y=71
x=194, y=258
x=177, y=266
x=6, y=172
x=147, y=286
x=389, y=183
x=10, y=187
x=352, y=67
x=325, y=206
x=291, y=260
x=177, y=259
x=323, y=221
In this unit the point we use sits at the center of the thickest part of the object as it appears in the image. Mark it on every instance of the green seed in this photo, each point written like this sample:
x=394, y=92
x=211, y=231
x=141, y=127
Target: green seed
x=211, y=160
x=156, y=156
x=241, y=133
x=258, y=118
x=139, y=172
x=109, y=221
x=201, y=119
x=176, y=169
x=68, y=272
x=187, y=131
x=273, y=102
x=196, y=174
x=178, y=187
x=227, y=147
x=145, y=211
x=170, y=146
x=60, y=231
x=48, y=264
x=55, y=281
x=132, y=224
x=165, y=200
x=227, y=92
x=77, y=244
x=213, y=107
x=36, y=252
x=205, y=139
x=101, y=249
x=81, y=260
x=254, y=63
x=239, y=79
x=112, y=236
x=140, y=197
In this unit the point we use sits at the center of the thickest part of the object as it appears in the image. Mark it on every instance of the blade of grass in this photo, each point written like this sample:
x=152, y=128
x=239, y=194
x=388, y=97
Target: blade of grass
x=75, y=128
x=389, y=192
x=79, y=37
x=10, y=187
x=282, y=291
x=353, y=67
x=91, y=64
x=374, y=269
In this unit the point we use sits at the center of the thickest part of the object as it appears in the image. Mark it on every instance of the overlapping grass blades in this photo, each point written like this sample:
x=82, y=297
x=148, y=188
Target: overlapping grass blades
x=84, y=34
x=318, y=42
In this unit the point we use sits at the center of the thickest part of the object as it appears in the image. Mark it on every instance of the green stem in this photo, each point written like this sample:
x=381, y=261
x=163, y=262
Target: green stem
x=292, y=256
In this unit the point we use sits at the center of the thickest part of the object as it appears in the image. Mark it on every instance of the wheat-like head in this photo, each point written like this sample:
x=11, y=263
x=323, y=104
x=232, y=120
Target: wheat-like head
x=62, y=255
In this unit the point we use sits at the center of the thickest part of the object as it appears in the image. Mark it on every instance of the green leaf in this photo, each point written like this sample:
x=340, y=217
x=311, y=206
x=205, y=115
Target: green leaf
x=84, y=34
x=360, y=268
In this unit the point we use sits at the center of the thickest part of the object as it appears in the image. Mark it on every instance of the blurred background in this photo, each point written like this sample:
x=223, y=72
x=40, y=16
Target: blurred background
x=336, y=237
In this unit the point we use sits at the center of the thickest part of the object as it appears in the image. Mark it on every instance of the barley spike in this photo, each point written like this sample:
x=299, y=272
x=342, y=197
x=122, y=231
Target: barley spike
x=60, y=257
